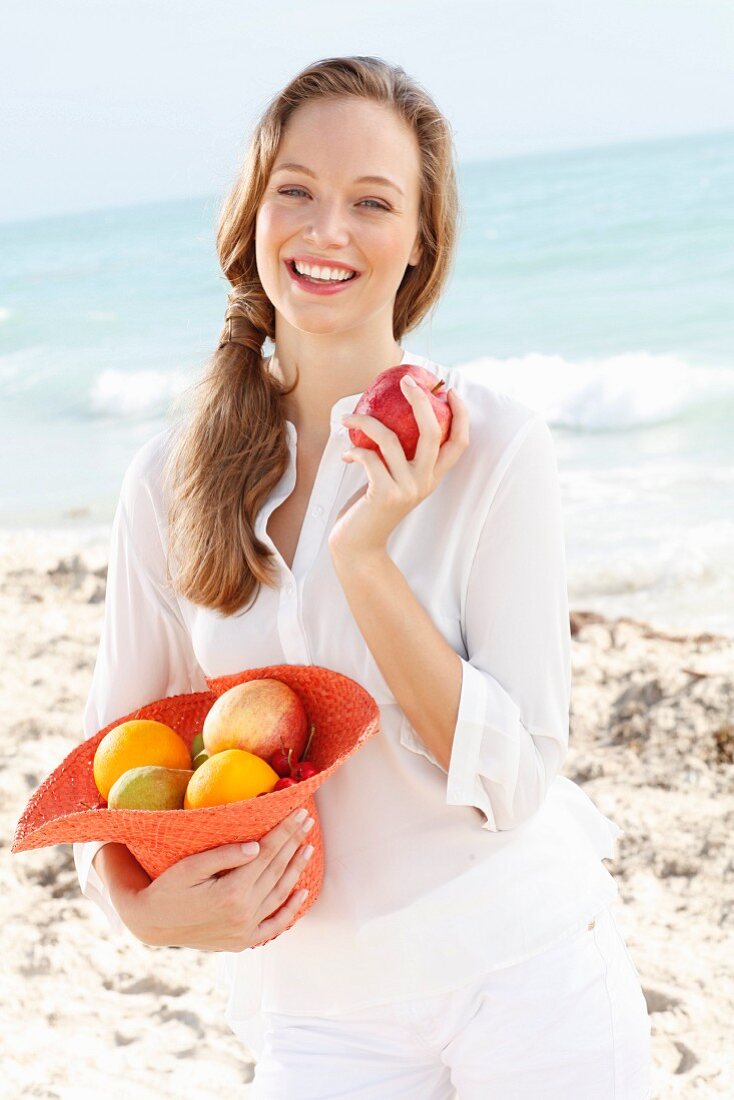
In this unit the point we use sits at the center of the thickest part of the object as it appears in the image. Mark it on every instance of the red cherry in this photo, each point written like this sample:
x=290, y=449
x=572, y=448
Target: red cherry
x=286, y=781
x=279, y=763
x=305, y=769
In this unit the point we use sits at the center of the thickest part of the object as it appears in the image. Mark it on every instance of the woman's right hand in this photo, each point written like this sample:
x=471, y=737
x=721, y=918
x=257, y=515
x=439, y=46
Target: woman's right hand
x=222, y=899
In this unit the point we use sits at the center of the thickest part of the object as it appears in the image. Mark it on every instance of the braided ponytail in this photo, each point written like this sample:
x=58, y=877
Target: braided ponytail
x=224, y=463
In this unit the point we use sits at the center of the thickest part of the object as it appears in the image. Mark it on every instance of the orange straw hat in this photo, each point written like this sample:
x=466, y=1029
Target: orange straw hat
x=67, y=806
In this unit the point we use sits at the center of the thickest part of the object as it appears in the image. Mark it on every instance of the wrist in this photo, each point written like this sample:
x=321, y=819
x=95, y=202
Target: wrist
x=126, y=882
x=362, y=562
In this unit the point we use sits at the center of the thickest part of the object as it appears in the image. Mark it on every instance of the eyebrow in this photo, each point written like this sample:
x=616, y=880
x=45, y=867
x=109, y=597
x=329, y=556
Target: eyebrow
x=362, y=179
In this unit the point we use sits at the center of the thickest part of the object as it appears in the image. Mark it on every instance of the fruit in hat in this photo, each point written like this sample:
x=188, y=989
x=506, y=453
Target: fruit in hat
x=259, y=717
x=231, y=775
x=150, y=788
x=288, y=766
x=134, y=744
x=285, y=781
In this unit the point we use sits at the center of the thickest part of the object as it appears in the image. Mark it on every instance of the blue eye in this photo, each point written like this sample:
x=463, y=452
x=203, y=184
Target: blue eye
x=290, y=190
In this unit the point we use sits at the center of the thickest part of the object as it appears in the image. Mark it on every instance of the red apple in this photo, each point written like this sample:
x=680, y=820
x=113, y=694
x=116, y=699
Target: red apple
x=385, y=400
x=260, y=716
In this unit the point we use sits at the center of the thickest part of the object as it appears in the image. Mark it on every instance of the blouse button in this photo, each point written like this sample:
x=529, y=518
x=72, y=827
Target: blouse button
x=316, y=510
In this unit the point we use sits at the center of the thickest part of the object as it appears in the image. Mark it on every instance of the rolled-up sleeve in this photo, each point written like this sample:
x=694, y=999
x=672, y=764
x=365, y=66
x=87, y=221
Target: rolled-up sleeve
x=511, y=735
x=145, y=650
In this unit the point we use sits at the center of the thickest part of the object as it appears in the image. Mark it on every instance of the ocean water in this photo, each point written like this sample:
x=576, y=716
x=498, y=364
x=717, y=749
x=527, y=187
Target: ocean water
x=595, y=285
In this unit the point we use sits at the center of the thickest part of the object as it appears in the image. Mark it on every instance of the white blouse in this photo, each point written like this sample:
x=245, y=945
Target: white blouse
x=430, y=876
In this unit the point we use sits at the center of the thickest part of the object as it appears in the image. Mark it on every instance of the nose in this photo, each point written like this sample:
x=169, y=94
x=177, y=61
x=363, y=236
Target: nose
x=328, y=226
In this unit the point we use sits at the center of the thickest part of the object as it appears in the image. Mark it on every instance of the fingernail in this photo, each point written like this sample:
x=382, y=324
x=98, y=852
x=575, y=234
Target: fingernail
x=407, y=380
x=309, y=825
x=251, y=848
x=307, y=853
x=300, y=815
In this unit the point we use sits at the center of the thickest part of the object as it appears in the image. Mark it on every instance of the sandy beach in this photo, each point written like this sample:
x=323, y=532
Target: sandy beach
x=652, y=743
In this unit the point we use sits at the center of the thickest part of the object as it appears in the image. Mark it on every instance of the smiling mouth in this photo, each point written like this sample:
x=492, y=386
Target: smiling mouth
x=320, y=282
x=322, y=287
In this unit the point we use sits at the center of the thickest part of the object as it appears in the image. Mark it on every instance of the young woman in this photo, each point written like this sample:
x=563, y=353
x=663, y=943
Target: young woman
x=462, y=942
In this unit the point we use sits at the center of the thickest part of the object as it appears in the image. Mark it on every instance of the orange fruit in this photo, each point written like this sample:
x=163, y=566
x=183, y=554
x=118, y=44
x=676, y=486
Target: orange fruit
x=231, y=775
x=135, y=744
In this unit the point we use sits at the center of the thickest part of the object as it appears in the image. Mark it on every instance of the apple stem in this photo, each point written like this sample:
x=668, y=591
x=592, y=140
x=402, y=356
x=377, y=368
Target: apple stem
x=437, y=386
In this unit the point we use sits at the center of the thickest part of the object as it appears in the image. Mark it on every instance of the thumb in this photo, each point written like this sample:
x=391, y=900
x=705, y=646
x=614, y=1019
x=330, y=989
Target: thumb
x=215, y=861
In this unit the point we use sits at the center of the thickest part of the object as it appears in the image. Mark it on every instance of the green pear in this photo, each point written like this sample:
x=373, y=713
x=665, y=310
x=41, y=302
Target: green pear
x=149, y=788
x=197, y=745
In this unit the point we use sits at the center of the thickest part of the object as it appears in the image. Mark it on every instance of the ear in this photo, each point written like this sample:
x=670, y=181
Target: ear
x=415, y=255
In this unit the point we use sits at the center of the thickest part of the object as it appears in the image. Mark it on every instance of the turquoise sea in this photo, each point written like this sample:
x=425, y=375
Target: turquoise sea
x=595, y=285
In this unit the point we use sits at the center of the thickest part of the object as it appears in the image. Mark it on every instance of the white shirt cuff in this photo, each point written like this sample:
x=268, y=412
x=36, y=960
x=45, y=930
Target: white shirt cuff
x=464, y=786
x=91, y=884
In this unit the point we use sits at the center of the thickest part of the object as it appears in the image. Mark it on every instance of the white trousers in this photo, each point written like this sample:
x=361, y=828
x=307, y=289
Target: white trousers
x=568, y=1024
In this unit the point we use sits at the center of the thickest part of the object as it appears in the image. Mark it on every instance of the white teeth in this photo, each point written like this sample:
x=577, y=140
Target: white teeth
x=327, y=274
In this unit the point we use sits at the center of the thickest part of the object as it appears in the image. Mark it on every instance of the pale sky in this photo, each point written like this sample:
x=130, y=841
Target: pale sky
x=111, y=104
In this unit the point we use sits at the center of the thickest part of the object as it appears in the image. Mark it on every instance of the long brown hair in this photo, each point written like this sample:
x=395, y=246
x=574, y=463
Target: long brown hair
x=231, y=450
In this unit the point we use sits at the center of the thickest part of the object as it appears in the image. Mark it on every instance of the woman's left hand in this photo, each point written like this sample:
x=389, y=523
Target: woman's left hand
x=398, y=485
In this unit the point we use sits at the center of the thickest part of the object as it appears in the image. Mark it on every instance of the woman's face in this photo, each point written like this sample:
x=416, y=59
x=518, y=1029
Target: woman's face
x=327, y=214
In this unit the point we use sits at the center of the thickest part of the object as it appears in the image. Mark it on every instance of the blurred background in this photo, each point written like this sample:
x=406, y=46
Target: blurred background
x=594, y=281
